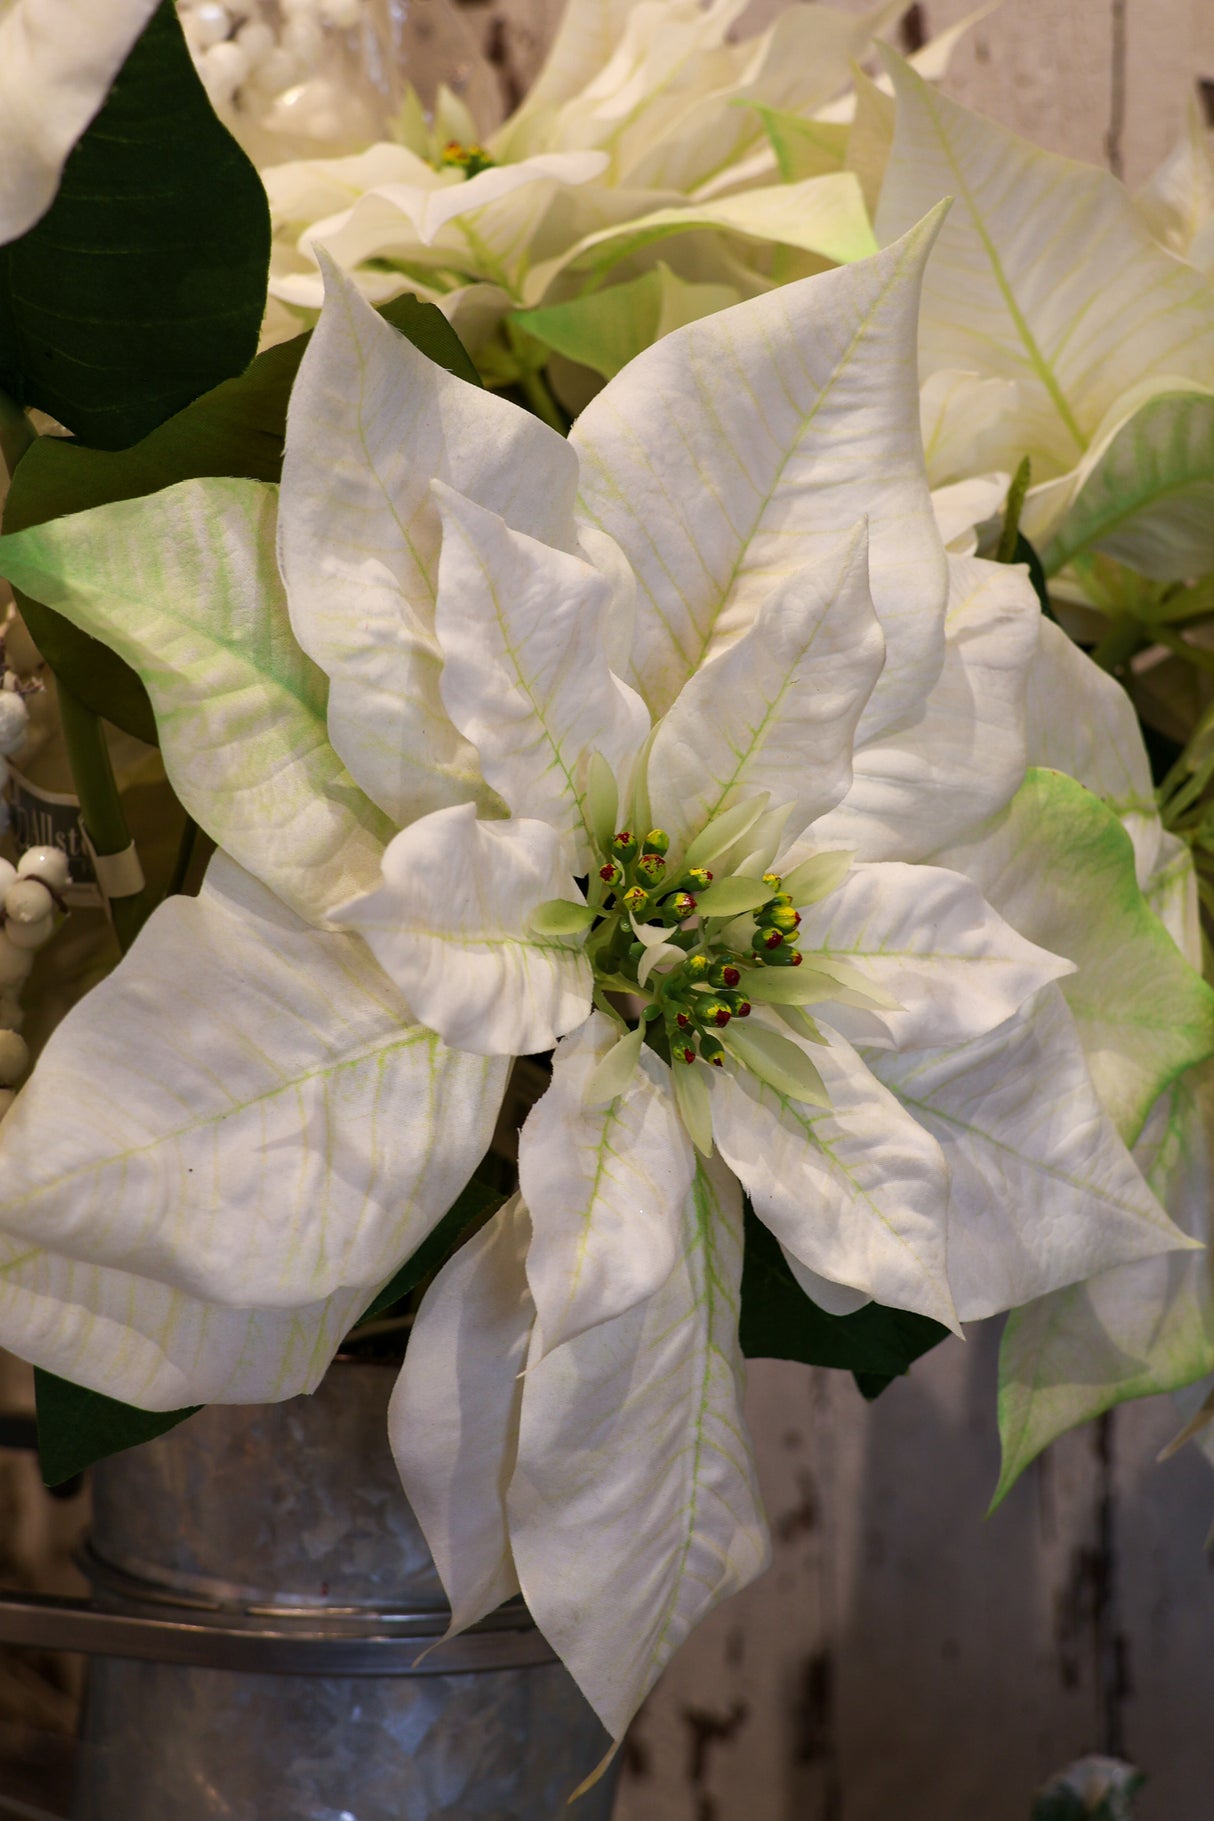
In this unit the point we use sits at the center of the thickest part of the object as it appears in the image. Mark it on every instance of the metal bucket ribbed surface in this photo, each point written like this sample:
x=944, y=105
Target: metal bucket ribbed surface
x=292, y=1514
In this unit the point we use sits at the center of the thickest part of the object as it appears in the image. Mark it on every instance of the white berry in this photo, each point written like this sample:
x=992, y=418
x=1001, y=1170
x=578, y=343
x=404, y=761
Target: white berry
x=14, y=720
x=28, y=901
x=30, y=935
x=223, y=68
x=209, y=23
x=47, y=863
x=12, y=1012
x=14, y=1057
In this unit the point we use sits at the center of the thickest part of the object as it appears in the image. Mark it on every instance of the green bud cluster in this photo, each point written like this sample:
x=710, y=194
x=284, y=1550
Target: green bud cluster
x=645, y=900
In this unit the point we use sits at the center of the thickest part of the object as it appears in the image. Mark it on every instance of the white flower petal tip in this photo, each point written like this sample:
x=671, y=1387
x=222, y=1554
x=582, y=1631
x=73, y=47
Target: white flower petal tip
x=452, y=926
x=803, y=361
x=634, y=1508
x=57, y=62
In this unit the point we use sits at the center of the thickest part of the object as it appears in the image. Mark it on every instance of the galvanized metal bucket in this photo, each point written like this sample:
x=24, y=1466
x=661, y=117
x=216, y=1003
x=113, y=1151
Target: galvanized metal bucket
x=268, y=1558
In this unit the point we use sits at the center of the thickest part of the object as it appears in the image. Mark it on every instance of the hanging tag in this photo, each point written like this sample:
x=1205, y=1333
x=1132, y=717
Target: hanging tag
x=50, y=818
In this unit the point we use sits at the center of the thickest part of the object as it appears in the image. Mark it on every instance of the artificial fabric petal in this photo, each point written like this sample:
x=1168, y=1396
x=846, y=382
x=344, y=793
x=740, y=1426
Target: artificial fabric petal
x=453, y=1418
x=1044, y=1193
x=525, y=675
x=634, y=1507
x=371, y=422
x=925, y=937
x=858, y=1191
x=605, y=1186
x=727, y=456
x=184, y=585
x=300, y=1139
x=451, y=925
x=1143, y=1014
x=961, y=758
x=777, y=710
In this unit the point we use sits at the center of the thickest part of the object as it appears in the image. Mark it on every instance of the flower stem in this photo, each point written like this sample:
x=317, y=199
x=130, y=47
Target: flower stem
x=535, y=391
x=101, y=812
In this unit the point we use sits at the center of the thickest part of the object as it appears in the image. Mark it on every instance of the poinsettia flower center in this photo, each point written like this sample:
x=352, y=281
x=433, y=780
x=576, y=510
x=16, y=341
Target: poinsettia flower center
x=650, y=911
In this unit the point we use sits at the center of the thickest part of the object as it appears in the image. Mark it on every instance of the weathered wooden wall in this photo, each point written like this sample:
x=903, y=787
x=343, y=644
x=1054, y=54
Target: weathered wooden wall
x=905, y=1660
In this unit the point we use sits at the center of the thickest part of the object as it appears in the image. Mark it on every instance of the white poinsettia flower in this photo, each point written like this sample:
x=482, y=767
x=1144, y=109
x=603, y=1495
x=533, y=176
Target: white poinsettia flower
x=57, y=61
x=641, y=184
x=636, y=748
x=1056, y=326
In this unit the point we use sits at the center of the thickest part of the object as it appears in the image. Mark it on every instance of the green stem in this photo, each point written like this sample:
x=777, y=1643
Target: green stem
x=1196, y=655
x=535, y=391
x=16, y=432
x=1006, y=553
x=1124, y=637
x=101, y=810
x=185, y=853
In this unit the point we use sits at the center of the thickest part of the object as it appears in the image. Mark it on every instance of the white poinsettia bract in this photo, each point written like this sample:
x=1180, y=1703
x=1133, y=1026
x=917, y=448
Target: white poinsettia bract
x=635, y=748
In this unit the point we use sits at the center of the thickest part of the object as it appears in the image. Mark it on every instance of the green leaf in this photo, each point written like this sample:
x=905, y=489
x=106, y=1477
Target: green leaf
x=731, y=897
x=236, y=429
x=1148, y=497
x=144, y=284
x=77, y=1427
x=561, y=917
x=472, y=1208
x=804, y=147
x=780, y=1322
x=604, y=330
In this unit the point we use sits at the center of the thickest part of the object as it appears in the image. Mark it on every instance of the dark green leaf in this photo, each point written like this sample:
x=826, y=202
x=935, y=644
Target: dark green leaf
x=235, y=429
x=1025, y=553
x=472, y=1208
x=780, y=1322
x=77, y=1427
x=144, y=284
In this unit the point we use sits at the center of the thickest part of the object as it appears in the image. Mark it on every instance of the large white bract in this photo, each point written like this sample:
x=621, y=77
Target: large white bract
x=57, y=61
x=472, y=746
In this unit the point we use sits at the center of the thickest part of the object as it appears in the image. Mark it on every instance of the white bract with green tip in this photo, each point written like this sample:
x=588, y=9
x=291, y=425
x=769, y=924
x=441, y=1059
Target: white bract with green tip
x=635, y=748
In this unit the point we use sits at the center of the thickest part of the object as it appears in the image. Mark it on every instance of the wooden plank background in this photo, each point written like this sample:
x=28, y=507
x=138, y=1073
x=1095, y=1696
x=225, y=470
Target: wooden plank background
x=905, y=1659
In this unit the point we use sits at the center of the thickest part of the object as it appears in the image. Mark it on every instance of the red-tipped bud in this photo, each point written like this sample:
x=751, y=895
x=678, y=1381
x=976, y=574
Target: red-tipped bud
x=657, y=841
x=772, y=879
x=625, y=845
x=683, y=1020
x=699, y=878
x=637, y=899
x=764, y=940
x=688, y=1055
x=697, y=966
x=682, y=904
x=650, y=868
x=610, y=874
x=742, y=1010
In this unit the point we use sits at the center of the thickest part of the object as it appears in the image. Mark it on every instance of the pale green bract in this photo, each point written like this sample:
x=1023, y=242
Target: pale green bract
x=469, y=765
x=58, y=59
